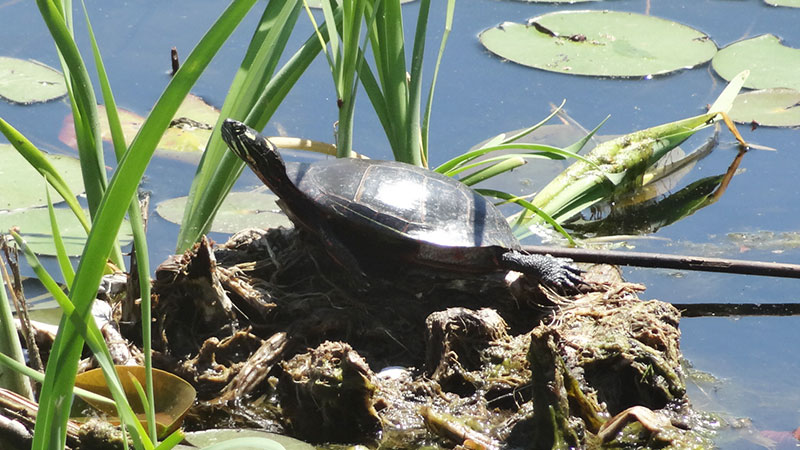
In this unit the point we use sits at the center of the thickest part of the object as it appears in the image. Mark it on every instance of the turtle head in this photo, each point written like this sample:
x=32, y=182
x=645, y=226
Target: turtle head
x=257, y=151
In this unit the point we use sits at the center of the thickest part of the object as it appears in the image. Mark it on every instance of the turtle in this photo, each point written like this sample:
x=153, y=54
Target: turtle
x=372, y=212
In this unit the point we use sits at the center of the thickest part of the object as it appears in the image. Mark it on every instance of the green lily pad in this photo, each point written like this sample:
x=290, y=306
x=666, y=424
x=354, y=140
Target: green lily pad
x=600, y=43
x=268, y=441
x=771, y=63
x=34, y=225
x=23, y=187
x=30, y=81
x=789, y=3
x=239, y=211
x=777, y=107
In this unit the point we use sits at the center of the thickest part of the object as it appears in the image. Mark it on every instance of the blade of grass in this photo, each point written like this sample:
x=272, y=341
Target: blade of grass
x=413, y=121
x=37, y=160
x=528, y=206
x=253, y=88
x=88, y=330
x=454, y=166
x=506, y=164
x=137, y=229
x=82, y=95
x=58, y=18
x=210, y=188
x=353, y=16
x=334, y=55
x=425, y=127
x=171, y=441
x=66, y=349
x=347, y=112
x=621, y=160
x=578, y=145
x=67, y=271
x=500, y=158
x=21, y=368
x=530, y=129
x=9, y=340
x=387, y=41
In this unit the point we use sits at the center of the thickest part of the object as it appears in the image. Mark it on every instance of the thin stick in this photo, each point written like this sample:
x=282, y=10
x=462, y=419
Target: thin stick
x=737, y=309
x=660, y=260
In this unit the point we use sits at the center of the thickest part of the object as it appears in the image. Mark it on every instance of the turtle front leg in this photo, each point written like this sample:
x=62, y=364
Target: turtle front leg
x=342, y=255
x=553, y=272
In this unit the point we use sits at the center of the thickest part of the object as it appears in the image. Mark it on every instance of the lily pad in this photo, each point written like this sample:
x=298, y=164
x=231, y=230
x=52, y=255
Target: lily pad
x=30, y=81
x=789, y=3
x=777, y=107
x=771, y=63
x=600, y=43
x=173, y=395
x=189, y=131
x=23, y=187
x=34, y=226
x=207, y=438
x=240, y=210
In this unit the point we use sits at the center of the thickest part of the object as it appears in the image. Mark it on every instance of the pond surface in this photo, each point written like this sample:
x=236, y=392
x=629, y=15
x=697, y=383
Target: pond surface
x=479, y=96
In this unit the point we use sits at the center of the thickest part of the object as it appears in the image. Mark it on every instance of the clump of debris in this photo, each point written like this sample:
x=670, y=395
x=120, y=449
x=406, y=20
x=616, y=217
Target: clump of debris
x=275, y=335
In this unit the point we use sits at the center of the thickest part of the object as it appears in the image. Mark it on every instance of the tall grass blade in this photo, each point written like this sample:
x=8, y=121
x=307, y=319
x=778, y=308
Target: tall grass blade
x=579, y=144
x=504, y=165
x=137, y=228
x=87, y=125
x=219, y=167
x=67, y=271
x=58, y=18
x=387, y=42
x=495, y=159
x=24, y=370
x=171, y=441
x=413, y=136
x=36, y=159
x=456, y=164
x=9, y=341
x=53, y=413
x=425, y=126
x=88, y=330
x=529, y=207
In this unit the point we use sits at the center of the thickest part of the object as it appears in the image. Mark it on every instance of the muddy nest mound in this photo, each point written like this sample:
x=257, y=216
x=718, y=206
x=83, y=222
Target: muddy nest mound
x=274, y=335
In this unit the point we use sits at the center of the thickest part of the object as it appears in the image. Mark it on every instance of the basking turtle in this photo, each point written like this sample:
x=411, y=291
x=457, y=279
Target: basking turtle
x=385, y=211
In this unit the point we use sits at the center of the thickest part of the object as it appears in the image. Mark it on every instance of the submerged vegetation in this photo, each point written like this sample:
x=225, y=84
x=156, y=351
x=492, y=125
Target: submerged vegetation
x=393, y=82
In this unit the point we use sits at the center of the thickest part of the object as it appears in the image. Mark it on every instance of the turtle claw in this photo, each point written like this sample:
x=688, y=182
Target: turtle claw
x=565, y=277
x=556, y=273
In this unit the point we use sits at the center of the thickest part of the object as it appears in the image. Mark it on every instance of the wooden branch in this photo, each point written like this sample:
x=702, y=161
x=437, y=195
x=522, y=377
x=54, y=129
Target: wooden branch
x=664, y=261
x=737, y=309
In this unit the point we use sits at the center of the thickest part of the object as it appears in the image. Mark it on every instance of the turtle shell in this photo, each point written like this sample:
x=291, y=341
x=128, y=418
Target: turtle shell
x=395, y=200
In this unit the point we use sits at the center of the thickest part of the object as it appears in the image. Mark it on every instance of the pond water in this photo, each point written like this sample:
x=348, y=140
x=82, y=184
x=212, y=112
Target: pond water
x=479, y=96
